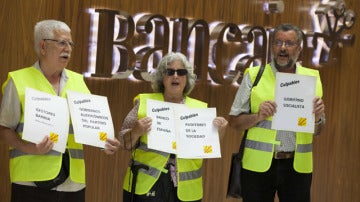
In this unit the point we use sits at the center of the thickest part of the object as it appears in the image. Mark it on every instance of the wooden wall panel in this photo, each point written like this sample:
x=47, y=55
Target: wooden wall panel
x=336, y=151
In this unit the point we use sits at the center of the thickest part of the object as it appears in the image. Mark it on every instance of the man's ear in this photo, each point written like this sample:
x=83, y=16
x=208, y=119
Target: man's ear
x=300, y=48
x=42, y=47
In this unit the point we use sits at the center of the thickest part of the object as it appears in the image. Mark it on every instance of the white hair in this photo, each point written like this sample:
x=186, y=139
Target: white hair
x=45, y=30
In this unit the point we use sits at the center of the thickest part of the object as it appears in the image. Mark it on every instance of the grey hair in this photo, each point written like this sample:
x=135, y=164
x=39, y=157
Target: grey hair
x=289, y=27
x=45, y=30
x=157, y=77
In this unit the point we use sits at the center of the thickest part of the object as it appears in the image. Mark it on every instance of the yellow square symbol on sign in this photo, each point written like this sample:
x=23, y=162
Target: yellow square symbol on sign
x=208, y=149
x=54, y=137
x=301, y=121
x=173, y=145
x=103, y=136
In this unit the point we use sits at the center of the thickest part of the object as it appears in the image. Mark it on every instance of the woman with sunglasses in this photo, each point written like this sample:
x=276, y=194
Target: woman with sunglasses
x=160, y=176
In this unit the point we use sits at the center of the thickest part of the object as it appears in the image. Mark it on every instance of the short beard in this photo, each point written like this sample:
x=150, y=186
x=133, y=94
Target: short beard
x=290, y=64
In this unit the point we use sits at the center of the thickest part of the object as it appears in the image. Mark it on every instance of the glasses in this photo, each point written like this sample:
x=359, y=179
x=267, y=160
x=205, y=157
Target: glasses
x=61, y=43
x=179, y=72
x=287, y=43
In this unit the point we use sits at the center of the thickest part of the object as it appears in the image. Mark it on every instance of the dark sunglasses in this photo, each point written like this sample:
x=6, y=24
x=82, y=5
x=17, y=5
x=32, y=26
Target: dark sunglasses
x=179, y=72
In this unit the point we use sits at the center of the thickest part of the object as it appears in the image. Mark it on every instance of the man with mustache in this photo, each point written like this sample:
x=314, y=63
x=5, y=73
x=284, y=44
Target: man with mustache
x=275, y=160
x=37, y=172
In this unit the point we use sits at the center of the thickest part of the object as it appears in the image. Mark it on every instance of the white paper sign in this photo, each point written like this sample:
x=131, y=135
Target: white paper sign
x=91, y=118
x=294, y=95
x=162, y=135
x=187, y=132
x=197, y=135
x=46, y=115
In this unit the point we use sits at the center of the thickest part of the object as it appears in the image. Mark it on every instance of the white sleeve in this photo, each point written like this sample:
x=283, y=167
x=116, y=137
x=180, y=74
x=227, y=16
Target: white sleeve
x=10, y=110
x=241, y=102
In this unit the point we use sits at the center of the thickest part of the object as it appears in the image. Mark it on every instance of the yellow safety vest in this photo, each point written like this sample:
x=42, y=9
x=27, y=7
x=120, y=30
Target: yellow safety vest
x=189, y=170
x=27, y=167
x=261, y=139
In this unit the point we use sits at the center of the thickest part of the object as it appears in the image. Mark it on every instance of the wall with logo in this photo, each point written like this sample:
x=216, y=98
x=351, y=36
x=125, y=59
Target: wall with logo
x=118, y=42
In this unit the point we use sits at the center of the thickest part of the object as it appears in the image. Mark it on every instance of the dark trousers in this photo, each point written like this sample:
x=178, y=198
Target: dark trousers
x=290, y=185
x=162, y=191
x=21, y=193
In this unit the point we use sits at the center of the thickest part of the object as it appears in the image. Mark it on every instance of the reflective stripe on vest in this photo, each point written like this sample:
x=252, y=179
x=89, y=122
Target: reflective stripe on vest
x=20, y=128
x=74, y=153
x=268, y=147
x=191, y=175
x=183, y=176
x=17, y=153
